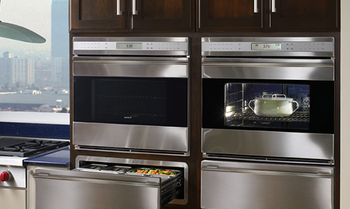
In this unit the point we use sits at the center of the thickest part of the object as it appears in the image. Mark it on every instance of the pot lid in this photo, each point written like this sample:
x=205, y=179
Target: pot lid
x=274, y=97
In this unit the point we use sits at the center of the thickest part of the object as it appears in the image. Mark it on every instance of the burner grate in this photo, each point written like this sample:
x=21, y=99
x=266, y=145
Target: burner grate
x=30, y=147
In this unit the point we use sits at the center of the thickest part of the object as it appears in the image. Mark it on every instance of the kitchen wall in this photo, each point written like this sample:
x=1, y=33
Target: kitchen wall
x=345, y=103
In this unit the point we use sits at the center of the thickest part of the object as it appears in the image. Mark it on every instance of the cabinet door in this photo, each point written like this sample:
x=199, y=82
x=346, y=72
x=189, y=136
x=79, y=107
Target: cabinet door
x=101, y=14
x=305, y=15
x=230, y=14
x=162, y=15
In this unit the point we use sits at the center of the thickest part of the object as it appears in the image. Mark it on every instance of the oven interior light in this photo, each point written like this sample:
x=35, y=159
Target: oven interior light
x=228, y=114
x=229, y=111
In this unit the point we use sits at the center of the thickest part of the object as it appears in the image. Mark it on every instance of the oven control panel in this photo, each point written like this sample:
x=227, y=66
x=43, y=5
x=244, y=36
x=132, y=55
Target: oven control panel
x=130, y=46
x=268, y=46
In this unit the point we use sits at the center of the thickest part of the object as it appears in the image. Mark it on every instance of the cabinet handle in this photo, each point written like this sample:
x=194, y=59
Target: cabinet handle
x=273, y=6
x=134, y=10
x=256, y=9
x=119, y=11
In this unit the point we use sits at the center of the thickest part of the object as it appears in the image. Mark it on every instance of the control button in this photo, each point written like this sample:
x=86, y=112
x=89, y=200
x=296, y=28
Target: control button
x=5, y=176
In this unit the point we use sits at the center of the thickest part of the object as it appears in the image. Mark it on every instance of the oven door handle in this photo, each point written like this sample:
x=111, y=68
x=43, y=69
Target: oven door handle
x=277, y=69
x=131, y=68
x=267, y=172
x=97, y=181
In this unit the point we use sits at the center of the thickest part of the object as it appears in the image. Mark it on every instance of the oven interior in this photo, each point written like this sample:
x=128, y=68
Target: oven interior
x=270, y=105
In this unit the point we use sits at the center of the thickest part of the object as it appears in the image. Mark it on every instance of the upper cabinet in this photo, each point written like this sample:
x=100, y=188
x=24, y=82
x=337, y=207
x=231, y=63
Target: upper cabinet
x=138, y=15
x=304, y=15
x=268, y=15
x=204, y=15
x=230, y=14
x=98, y=14
x=162, y=15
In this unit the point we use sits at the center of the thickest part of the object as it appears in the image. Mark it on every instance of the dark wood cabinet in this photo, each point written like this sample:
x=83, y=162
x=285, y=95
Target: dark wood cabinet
x=230, y=14
x=212, y=15
x=97, y=15
x=268, y=15
x=145, y=15
x=169, y=15
x=304, y=15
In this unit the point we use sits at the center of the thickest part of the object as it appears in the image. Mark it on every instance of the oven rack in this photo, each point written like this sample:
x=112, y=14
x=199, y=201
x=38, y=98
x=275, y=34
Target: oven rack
x=249, y=115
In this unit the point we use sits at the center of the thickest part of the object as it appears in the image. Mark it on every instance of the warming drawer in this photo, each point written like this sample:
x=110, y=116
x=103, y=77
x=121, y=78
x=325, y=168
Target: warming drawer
x=101, y=183
x=227, y=185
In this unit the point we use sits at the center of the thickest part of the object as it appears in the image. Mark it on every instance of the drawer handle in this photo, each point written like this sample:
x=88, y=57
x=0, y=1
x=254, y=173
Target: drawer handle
x=268, y=172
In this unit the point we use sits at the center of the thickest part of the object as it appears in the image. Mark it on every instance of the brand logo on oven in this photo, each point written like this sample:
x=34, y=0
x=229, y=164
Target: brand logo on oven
x=128, y=117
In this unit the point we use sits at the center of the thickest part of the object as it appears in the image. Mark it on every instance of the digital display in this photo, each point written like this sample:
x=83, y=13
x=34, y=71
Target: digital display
x=129, y=45
x=266, y=46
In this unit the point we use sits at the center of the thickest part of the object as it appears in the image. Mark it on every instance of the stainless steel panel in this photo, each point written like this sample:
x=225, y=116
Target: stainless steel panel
x=31, y=181
x=154, y=163
x=291, y=46
x=268, y=143
x=227, y=185
x=160, y=138
x=13, y=198
x=181, y=44
x=267, y=39
x=269, y=54
x=277, y=69
x=131, y=39
x=82, y=190
x=12, y=161
x=17, y=178
x=131, y=67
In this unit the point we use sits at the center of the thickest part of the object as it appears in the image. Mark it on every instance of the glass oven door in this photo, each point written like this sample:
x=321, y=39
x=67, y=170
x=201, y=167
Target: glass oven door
x=293, y=106
x=138, y=103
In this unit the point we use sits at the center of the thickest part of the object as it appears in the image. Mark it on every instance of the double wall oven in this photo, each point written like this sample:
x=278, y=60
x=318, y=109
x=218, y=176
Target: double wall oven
x=131, y=94
x=268, y=123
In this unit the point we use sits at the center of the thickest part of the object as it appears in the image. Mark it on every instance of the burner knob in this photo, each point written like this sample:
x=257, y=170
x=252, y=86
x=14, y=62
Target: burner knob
x=5, y=176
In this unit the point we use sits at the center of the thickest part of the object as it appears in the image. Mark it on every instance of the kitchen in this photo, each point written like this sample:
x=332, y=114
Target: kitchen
x=194, y=155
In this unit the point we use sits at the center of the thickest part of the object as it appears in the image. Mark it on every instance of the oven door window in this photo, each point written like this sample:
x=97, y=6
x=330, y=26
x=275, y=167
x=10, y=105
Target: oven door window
x=268, y=105
x=139, y=101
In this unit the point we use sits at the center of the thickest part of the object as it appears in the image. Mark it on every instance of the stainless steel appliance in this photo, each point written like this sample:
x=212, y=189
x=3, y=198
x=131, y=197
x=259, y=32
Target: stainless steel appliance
x=268, y=108
x=131, y=94
x=266, y=186
x=100, y=182
x=13, y=181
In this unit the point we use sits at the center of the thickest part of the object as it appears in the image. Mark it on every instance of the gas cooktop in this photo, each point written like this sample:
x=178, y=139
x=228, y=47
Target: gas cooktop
x=20, y=147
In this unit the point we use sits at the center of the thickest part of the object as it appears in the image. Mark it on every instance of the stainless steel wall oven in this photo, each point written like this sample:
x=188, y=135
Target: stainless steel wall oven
x=268, y=123
x=131, y=94
x=265, y=92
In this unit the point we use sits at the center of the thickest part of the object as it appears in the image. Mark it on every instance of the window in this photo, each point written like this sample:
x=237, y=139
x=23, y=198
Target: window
x=34, y=78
